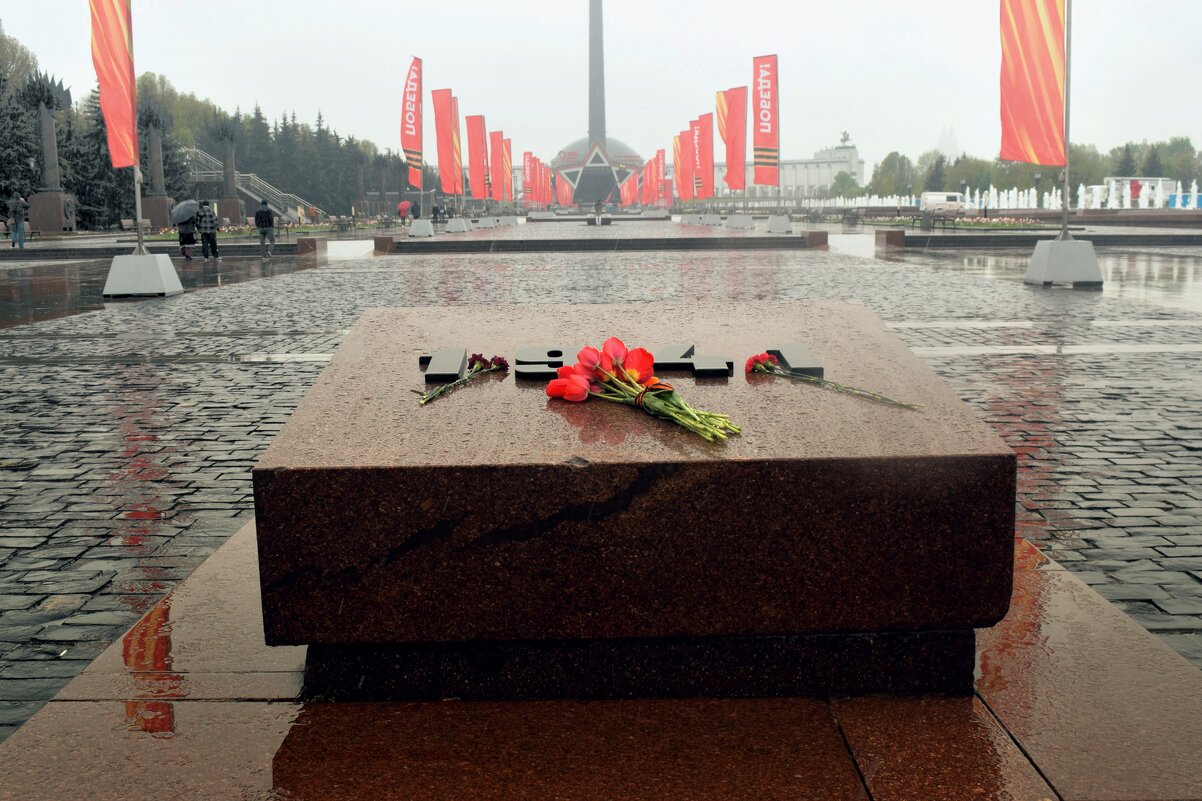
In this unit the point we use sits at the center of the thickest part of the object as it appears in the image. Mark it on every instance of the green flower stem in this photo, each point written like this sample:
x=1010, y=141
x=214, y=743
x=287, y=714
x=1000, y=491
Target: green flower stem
x=439, y=391
x=837, y=387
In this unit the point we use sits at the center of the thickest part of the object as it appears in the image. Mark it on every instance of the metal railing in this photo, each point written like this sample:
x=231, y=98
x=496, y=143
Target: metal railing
x=204, y=168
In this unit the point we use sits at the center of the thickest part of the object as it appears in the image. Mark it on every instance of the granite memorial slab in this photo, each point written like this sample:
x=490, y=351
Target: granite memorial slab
x=498, y=543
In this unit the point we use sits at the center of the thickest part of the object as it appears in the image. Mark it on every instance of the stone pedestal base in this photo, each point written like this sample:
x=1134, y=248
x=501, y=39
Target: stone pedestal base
x=809, y=665
x=232, y=209
x=459, y=225
x=891, y=240
x=690, y=219
x=507, y=220
x=157, y=209
x=52, y=212
x=711, y=219
x=311, y=246
x=1064, y=261
x=740, y=221
x=142, y=277
x=780, y=224
x=487, y=222
x=421, y=228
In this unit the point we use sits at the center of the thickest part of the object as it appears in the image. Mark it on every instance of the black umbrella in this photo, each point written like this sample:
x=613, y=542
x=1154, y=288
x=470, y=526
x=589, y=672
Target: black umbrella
x=185, y=209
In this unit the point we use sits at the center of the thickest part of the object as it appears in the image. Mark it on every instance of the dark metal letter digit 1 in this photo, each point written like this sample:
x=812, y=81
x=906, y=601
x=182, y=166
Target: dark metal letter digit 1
x=444, y=366
x=797, y=358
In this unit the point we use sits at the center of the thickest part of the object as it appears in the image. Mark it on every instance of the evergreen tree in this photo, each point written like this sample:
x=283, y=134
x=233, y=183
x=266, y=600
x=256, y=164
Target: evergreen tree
x=1126, y=165
x=934, y=181
x=1152, y=166
x=106, y=195
x=18, y=154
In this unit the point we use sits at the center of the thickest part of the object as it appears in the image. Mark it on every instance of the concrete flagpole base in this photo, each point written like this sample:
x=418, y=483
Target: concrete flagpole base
x=780, y=224
x=421, y=228
x=487, y=222
x=690, y=219
x=1062, y=261
x=458, y=225
x=507, y=220
x=740, y=221
x=711, y=219
x=142, y=276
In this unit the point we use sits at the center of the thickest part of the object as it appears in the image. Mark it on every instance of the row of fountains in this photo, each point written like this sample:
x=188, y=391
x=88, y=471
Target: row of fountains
x=1115, y=194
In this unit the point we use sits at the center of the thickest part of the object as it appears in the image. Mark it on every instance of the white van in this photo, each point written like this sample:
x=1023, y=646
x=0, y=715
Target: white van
x=941, y=202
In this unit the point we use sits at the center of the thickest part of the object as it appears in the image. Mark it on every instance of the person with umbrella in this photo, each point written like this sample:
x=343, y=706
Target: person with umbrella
x=206, y=223
x=183, y=217
x=402, y=211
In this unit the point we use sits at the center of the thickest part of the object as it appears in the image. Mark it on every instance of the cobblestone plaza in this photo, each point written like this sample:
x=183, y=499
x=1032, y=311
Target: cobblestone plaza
x=130, y=428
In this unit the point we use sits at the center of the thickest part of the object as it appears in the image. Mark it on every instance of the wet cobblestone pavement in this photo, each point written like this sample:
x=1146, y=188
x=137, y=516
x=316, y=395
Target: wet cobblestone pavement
x=129, y=430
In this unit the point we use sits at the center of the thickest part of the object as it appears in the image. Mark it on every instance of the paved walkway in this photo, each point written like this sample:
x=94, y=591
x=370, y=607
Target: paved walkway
x=129, y=431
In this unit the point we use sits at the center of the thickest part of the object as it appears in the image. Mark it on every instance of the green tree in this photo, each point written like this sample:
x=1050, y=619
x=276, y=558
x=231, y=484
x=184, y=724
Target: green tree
x=1125, y=166
x=1087, y=166
x=894, y=175
x=844, y=185
x=17, y=63
x=1152, y=166
x=105, y=195
x=19, y=153
x=935, y=176
x=968, y=171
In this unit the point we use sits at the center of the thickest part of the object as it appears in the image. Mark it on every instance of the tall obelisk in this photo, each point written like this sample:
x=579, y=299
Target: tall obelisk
x=596, y=76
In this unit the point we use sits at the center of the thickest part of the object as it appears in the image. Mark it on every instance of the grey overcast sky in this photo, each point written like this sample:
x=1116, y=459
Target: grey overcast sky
x=894, y=75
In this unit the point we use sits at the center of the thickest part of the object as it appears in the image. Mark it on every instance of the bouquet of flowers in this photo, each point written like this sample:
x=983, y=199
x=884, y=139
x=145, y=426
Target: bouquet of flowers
x=477, y=366
x=767, y=363
x=619, y=375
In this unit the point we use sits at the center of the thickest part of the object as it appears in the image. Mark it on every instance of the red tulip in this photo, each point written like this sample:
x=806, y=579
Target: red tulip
x=640, y=366
x=574, y=388
x=616, y=349
x=589, y=357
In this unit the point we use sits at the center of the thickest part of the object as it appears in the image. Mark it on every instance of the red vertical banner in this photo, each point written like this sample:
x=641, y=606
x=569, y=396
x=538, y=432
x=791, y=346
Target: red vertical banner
x=536, y=181
x=442, y=134
x=113, y=58
x=703, y=150
x=411, y=123
x=497, y=144
x=684, y=185
x=663, y=191
x=507, y=170
x=765, y=121
x=477, y=156
x=629, y=190
x=732, y=127
x=455, y=145
x=527, y=178
x=546, y=184
x=563, y=190
x=1032, y=84
x=646, y=178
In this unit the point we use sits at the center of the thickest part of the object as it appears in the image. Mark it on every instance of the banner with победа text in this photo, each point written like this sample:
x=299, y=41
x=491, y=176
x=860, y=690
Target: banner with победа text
x=765, y=121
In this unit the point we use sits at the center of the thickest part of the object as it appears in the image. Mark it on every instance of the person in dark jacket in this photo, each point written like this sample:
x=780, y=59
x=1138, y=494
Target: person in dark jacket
x=265, y=222
x=206, y=223
x=187, y=236
x=18, y=209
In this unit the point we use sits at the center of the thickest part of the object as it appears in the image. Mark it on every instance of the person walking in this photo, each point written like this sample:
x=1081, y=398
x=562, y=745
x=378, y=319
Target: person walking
x=19, y=209
x=206, y=223
x=265, y=222
x=187, y=236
